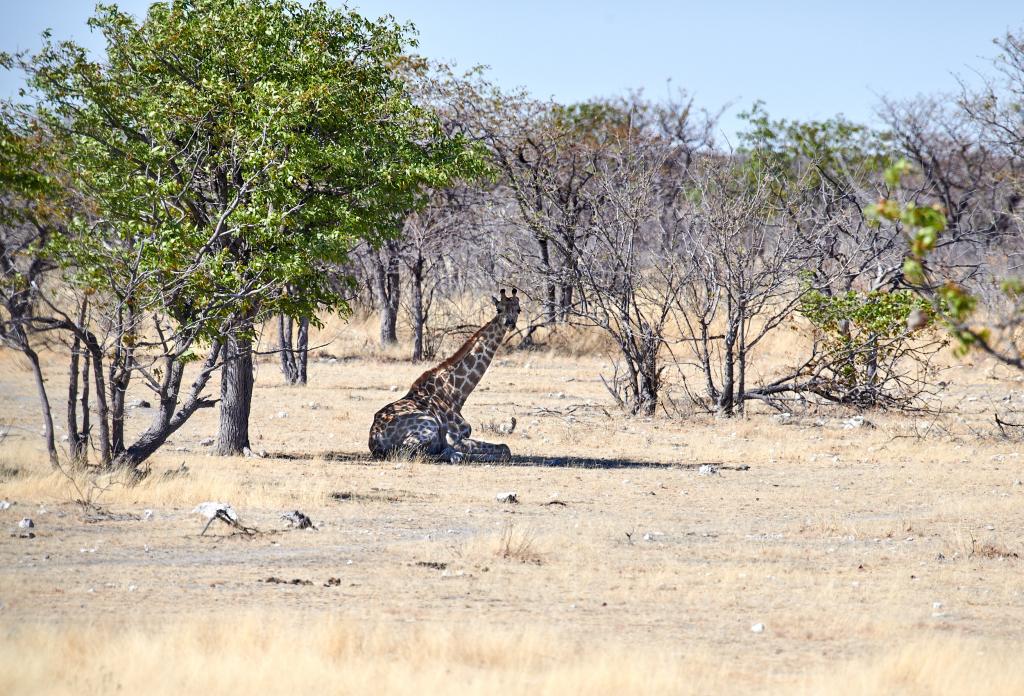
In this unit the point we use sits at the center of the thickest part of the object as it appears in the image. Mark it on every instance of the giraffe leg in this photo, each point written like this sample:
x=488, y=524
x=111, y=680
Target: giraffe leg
x=479, y=451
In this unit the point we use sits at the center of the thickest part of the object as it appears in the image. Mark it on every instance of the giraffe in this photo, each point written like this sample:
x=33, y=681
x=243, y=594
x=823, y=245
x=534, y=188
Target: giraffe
x=428, y=420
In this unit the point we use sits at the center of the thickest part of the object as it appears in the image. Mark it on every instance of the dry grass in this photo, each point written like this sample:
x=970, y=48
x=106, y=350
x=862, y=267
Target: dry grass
x=257, y=653
x=931, y=667
x=278, y=653
x=881, y=559
x=518, y=545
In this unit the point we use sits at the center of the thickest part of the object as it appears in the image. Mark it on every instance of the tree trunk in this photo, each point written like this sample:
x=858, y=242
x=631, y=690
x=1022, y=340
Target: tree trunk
x=302, y=360
x=284, y=339
x=118, y=390
x=418, y=318
x=78, y=436
x=649, y=373
x=119, y=377
x=741, y=360
x=725, y=398
x=44, y=401
x=167, y=420
x=86, y=425
x=100, y=394
x=236, y=384
x=388, y=292
x=705, y=362
x=550, y=312
x=565, y=302
x=294, y=357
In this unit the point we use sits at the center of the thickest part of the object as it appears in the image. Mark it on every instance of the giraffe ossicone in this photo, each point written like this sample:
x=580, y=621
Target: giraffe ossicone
x=428, y=420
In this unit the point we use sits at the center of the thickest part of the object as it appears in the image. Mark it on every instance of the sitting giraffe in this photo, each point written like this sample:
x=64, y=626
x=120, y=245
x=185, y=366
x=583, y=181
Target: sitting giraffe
x=428, y=420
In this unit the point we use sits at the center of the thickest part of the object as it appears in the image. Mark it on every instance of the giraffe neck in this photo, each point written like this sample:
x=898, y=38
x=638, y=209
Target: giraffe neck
x=473, y=359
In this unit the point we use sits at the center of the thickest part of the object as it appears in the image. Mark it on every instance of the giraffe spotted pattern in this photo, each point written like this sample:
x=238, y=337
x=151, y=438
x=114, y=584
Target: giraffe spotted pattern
x=428, y=420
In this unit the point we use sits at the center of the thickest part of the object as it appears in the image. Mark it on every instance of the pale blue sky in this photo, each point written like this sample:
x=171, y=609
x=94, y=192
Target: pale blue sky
x=805, y=59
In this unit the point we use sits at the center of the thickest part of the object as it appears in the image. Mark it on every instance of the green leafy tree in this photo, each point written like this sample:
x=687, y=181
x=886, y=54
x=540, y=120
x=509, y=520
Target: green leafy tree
x=230, y=150
x=867, y=344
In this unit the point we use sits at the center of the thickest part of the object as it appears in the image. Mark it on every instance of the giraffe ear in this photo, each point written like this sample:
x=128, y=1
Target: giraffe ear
x=515, y=292
x=503, y=293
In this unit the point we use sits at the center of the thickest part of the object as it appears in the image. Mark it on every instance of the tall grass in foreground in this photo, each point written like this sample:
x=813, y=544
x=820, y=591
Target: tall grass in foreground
x=278, y=654
x=273, y=654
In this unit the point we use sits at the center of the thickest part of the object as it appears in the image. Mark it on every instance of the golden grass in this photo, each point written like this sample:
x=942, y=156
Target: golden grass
x=260, y=653
x=221, y=478
x=267, y=652
x=937, y=667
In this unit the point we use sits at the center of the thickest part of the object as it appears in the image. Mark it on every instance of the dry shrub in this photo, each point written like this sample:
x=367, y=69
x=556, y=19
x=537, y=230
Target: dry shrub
x=517, y=544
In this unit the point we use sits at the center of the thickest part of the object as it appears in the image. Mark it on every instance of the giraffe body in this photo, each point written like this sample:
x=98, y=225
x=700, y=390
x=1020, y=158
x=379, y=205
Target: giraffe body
x=428, y=419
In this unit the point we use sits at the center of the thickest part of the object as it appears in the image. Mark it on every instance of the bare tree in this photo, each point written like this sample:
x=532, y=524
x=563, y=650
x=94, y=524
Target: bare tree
x=631, y=271
x=749, y=253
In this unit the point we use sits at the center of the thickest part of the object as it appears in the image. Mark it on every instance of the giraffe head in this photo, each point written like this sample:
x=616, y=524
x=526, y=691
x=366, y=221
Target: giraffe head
x=508, y=307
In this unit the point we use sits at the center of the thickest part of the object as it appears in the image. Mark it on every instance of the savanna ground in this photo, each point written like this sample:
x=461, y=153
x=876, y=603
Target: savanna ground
x=880, y=558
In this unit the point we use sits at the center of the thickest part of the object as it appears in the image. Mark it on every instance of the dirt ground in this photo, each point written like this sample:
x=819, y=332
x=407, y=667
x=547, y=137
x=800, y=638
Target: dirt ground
x=820, y=554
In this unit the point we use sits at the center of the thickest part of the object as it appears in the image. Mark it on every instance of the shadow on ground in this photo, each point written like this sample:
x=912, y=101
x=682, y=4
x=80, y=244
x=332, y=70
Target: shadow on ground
x=524, y=460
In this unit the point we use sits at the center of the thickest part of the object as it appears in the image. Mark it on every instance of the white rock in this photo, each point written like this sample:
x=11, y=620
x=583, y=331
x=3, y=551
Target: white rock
x=757, y=628
x=708, y=470
x=936, y=605
x=509, y=497
x=5, y=504
x=147, y=515
x=282, y=414
x=393, y=387
x=26, y=523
